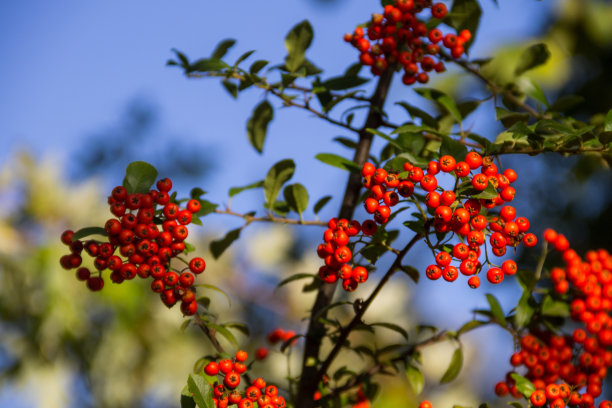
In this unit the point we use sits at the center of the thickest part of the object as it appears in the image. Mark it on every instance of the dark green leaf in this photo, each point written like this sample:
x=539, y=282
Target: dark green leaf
x=551, y=307
x=454, y=367
x=257, y=126
x=257, y=66
x=608, y=122
x=295, y=277
x=297, y=42
x=237, y=190
x=277, y=176
x=219, y=246
x=186, y=398
x=472, y=324
x=207, y=65
x=415, y=112
x=345, y=141
x=182, y=58
x=225, y=333
x=566, y=103
x=488, y=193
x=328, y=106
x=338, y=161
x=230, y=87
x=524, y=386
x=321, y=203
x=296, y=196
x=222, y=48
x=524, y=310
x=496, y=309
x=526, y=278
x=87, y=231
x=201, y=390
x=465, y=14
x=206, y=207
x=196, y=192
x=343, y=82
x=509, y=118
x=532, y=57
x=453, y=148
x=515, y=404
x=392, y=326
x=241, y=327
x=139, y=177
x=416, y=380
x=412, y=272
x=243, y=57
x=449, y=104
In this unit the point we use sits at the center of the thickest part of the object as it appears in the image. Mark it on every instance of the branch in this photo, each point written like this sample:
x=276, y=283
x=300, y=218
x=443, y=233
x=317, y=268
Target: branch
x=269, y=218
x=316, y=330
x=210, y=333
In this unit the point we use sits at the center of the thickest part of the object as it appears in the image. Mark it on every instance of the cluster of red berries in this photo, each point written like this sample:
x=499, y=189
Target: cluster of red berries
x=143, y=249
x=460, y=211
x=226, y=391
x=581, y=359
x=279, y=335
x=399, y=36
x=337, y=254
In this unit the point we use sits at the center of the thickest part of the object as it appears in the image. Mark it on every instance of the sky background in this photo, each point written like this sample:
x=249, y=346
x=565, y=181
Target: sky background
x=70, y=70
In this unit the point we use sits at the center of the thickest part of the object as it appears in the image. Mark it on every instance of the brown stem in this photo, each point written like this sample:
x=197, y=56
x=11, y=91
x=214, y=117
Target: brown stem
x=316, y=330
x=210, y=333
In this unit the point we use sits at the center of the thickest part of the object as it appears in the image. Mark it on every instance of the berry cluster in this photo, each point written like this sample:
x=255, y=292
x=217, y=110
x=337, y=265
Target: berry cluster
x=399, y=36
x=279, y=335
x=336, y=252
x=581, y=359
x=462, y=210
x=143, y=249
x=229, y=374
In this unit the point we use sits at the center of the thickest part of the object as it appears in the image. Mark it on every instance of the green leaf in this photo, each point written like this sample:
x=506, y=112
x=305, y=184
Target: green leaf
x=415, y=378
x=237, y=190
x=415, y=112
x=277, y=176
x=186, y=398
x=207, y=65
x=532, y=57
x=454, y=367
x=321, y=203
x=412, y=272
x=392, y=326
x=472, y=324
x=219, y=246
x=222, y=48
x=608, y=122
x=524, y=386
x=338, y=161
x=516, y=404
x=496, y=309
x=443, y=100
x=527, y=279
x=465, y=14
x=538, y=94
x=139, y=177
x=524, y=309
x=488, y=193
x=257, y=126
x=230, y=87
x=295, y=277
x=551, y=307
x=296, y=197
x=87, y=231
x=196, y=192
x=451, y=107
x=341, y=83
x=509, y=118
x=453, y=148
x=243, y=57
x=297, y=42
x=241, y=327
x=225, y=333
x=566, y=103
x=216, y=289
x=257, y=66
x=202, y=391
x=346, y=142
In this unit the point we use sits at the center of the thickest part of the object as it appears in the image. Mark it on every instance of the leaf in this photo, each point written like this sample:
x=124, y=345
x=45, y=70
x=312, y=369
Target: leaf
x=453, y=148
x=551, y=307
x=538, y=94
x=454, y=367
x=566, y=103
x=257, y=66
x=425, y=117
x=338, y=161
x=341, y=83
x=219, y=246
x=412, y=272
x=465, y=14
x=321, y=203
x=524, y=386
x=202, y=391
x=186, y=398
x=295, y=277
x=230, y=87
x=392, y=326
x=139, y=177
x=243, y=57
x=237, y=190
x=532, y=57
x=222, y=48
x=87, y=231
x=216, y=289
x=257, y=125
x=206, y=207
x=496, y=309
x=207, y=65
x=225, y=333
x=509, y=118
x=450, y=106
x=526, y=278
x=196, y=192
x=472, y=324
x=278, y=175
x=524, y=310
x=415, y=378
x=488, y=193
x=297, y=42
x=608, y=122
x=242, y=328
x=296, y=197
x=515, y=404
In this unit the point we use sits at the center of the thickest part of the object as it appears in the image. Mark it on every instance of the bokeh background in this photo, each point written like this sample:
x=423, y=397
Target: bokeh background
x=85, y=90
